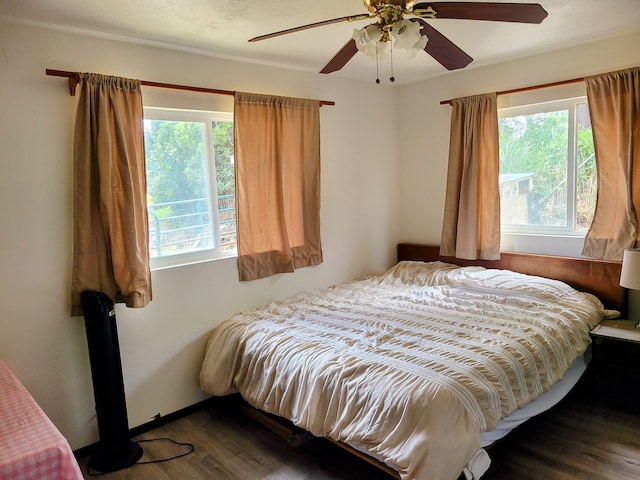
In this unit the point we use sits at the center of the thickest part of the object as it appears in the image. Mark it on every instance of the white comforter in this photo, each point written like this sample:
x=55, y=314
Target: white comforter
x=408, y=366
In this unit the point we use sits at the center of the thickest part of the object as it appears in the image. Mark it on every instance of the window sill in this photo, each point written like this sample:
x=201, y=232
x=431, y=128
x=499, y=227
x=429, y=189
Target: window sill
x=183, y=260
x=544, y=244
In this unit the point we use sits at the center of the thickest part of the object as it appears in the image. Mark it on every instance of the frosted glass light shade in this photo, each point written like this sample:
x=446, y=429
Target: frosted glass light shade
x=407, y=35
x=368, y=40
x=630, y=275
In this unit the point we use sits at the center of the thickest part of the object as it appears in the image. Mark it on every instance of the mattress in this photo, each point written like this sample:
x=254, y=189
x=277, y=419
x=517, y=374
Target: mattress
x=410, y=366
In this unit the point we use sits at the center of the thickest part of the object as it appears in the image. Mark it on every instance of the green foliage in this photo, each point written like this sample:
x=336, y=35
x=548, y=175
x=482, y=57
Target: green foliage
x=535, y=144
x=587, y=185
x=223, y=148
x=175, y=161
x=538, y=144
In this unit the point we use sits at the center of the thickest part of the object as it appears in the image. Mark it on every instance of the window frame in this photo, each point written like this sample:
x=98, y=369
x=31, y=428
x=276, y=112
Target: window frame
x=569, y=104
x=207, y=117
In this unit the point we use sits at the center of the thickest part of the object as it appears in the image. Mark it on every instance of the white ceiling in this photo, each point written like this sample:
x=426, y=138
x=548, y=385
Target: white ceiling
x=221, y=28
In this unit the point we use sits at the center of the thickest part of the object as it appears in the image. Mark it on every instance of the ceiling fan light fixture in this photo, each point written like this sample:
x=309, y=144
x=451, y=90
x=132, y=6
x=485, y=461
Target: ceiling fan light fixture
x=407, y=35
x=368, y=41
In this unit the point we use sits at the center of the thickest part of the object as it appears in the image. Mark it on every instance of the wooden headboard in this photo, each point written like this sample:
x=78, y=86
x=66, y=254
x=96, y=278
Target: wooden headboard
x=599, y=277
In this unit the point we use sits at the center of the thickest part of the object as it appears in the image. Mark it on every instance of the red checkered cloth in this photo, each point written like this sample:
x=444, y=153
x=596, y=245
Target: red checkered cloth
x=31, y=447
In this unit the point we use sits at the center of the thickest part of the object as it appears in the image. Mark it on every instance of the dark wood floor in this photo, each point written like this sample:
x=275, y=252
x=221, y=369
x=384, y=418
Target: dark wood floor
x=575, y=440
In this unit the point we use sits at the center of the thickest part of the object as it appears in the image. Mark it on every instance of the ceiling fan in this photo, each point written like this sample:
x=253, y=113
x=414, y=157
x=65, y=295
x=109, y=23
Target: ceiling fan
x=414, y=31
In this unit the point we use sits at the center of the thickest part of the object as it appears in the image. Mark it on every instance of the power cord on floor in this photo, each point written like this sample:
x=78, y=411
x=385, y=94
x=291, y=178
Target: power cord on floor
x=190, y=449
x=190, y=446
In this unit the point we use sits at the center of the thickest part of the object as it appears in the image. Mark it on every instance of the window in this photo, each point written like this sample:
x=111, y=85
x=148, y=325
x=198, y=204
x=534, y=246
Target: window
x=547, y=168
x=190, y=185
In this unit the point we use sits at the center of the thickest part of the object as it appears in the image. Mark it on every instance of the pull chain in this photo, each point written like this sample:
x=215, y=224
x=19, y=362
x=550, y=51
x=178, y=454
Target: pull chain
x=391, y=78
x=377, y=66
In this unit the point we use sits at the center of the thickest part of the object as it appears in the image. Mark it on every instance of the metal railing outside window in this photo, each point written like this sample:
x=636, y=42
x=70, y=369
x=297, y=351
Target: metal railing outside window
x=185, y=226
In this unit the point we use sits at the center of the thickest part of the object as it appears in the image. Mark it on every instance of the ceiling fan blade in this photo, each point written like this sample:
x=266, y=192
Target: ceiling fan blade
x=350, y=18
x=493, y=11
x=443, y=50
x=341, y=58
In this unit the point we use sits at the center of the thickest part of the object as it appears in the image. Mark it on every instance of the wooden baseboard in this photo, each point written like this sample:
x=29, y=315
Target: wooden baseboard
x=158, y=421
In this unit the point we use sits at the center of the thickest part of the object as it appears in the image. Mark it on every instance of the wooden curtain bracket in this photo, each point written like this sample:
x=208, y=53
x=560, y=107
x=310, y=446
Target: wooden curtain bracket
x=74, y=78
x=73, y=83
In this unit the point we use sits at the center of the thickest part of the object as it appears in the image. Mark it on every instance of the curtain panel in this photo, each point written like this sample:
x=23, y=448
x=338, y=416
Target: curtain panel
x=614, y=105
x=111, y=250
x=277, y=161
x=471, y=225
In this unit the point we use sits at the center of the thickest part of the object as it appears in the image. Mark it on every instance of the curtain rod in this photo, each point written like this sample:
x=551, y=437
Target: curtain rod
x=526, y=89
x=74, y=80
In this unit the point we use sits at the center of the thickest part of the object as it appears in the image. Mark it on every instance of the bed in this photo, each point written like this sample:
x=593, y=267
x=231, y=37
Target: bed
x=421, y=367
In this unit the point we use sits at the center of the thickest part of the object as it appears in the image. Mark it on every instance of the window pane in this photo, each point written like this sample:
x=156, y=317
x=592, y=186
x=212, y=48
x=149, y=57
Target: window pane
x=178, y=205
x=533, y=169
x=586, y=188
x=225, y=183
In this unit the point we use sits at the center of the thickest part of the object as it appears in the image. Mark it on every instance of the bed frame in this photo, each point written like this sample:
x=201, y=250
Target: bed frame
x=599, y=277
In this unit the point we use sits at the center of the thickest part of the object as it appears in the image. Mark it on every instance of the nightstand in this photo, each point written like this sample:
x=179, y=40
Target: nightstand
x=615, y=367
x=620, y=329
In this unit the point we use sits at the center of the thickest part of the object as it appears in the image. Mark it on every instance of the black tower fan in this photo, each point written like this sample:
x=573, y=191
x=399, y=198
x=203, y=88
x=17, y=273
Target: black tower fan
x=115, y=450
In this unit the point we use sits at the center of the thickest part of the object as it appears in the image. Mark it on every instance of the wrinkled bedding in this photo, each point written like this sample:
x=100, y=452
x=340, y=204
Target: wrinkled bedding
x=409, y=365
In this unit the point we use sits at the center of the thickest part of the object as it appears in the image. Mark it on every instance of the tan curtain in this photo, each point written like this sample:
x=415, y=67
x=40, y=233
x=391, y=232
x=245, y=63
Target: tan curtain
x=471, y=226
x=614, y=105
x=277, y=158
x=111, y=251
